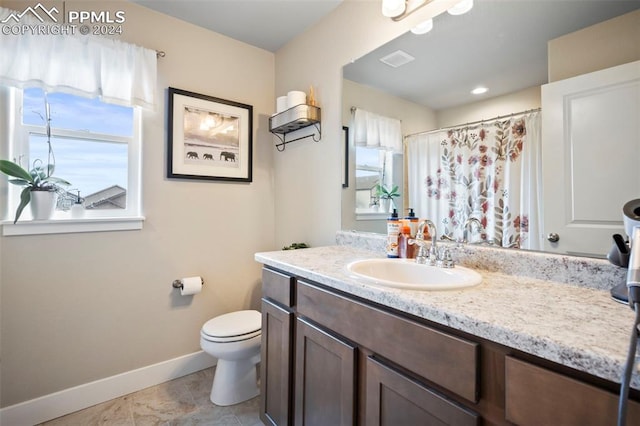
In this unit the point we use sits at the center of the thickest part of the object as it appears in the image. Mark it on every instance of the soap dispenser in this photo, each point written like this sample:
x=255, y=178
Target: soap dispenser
x=413, y=222
x=77, y=209
x=393, y=232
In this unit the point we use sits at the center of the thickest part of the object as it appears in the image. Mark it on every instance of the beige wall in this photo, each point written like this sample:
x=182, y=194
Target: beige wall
x=610, y=43
x=414, y=117
x=485, y=110
x=307, y=174
x=81, y=307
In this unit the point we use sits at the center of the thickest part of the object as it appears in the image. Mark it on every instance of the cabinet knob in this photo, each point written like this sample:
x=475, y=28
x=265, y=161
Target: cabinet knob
x=553, y=237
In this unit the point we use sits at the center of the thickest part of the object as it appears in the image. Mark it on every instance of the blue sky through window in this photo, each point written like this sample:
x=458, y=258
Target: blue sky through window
x=89, y=165
x=77, y=113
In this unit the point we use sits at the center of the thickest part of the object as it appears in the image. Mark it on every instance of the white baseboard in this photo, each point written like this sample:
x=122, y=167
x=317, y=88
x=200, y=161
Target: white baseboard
x=67, y=401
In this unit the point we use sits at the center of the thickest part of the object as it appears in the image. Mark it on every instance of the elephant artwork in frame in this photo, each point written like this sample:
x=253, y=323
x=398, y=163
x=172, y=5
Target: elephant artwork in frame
x=208, y=138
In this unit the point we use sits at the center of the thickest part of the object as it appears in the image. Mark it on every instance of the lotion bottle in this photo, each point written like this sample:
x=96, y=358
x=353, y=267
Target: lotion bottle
x=393, y=231
x=413, y=222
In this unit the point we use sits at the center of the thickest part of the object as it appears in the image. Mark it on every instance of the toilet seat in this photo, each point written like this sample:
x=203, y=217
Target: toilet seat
x=233, y=327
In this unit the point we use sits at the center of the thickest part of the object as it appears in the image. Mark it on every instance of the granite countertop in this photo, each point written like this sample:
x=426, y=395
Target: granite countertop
x=574, y=325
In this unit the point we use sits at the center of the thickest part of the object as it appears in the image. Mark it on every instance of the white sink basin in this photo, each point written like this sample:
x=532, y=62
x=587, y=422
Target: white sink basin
x=407, y=274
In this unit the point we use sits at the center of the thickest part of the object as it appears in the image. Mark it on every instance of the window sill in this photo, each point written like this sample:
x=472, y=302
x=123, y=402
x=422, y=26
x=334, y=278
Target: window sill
x=364, y=215
x=66, y=226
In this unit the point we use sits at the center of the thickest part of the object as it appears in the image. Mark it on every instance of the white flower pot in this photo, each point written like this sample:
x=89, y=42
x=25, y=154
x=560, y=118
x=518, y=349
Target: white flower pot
x=385, y=204
x=43, y=204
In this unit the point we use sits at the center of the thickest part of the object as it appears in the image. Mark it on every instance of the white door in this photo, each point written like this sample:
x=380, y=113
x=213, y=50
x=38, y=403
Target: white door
x=590, y=158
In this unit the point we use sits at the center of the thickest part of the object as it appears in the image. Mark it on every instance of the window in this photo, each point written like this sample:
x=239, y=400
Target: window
x=375, y=166
x=95, y=146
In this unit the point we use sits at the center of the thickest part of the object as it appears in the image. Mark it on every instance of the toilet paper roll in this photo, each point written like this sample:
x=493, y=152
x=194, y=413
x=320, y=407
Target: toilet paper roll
x=296, y=97
x=281, y=103
x=191, y=285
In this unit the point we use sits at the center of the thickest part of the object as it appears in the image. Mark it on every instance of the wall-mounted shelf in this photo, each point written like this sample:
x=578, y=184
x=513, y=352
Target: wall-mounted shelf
x=295, y=118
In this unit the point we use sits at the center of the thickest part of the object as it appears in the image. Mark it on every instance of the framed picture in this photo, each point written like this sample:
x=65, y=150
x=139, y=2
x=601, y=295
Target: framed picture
x=208, y=138
x=345, y=159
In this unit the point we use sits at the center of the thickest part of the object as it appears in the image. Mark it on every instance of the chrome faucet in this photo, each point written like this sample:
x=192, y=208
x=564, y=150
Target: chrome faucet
x=467, y=225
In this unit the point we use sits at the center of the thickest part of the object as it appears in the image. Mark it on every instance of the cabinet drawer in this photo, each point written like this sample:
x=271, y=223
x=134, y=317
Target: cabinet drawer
x=443, y=359
x=278, y=287
x=536, y=396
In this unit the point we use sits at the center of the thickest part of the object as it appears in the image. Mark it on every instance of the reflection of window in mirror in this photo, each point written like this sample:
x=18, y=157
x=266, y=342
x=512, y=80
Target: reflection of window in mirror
x=378, y=161
x=376, y=166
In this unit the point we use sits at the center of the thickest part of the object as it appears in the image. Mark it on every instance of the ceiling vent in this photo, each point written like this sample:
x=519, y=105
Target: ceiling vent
x=397, y=58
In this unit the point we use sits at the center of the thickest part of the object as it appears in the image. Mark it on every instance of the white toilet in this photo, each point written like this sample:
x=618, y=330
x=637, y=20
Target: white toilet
x=234, y=339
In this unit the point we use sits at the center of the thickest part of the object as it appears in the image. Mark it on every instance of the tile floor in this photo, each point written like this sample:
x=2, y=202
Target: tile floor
x=183, y=401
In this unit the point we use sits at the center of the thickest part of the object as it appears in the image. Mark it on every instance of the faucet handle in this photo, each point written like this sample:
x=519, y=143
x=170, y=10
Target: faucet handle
x=446, y=261
x=433, y=255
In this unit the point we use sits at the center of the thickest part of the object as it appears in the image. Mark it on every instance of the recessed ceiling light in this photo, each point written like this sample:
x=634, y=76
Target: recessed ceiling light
x=479, y=90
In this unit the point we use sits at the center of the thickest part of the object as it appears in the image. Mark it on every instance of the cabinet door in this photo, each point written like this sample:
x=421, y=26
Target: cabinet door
x=275, y=365
x=325, y=378
x=394, y=399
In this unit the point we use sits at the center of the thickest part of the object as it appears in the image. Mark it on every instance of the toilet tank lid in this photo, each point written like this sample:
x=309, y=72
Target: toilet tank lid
x=233, y=324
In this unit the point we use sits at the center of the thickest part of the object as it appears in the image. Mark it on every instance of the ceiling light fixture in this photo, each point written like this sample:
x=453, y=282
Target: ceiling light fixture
x=423, y=27
x=400, y=9
x=479, y=90
x=393, y=8
x=461, y=8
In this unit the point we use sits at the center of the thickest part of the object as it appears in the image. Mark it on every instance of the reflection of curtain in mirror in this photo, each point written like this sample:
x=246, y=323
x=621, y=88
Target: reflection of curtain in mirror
x=490, y=171
x=376, y=131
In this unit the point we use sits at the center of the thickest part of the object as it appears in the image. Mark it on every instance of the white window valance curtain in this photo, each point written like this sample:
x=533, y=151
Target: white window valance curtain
x=84, y=65
x=376, y=131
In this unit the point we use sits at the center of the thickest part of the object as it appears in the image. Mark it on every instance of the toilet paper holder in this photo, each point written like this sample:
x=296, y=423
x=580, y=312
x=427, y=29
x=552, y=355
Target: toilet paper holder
x=178, y=283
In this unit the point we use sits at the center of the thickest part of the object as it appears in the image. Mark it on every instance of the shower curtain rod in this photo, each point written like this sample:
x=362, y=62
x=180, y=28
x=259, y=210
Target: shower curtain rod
x=475, y=122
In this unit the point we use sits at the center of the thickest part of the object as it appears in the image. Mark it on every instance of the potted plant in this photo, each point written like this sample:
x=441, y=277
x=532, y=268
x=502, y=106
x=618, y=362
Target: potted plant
x=387, y=196
x=41, y=188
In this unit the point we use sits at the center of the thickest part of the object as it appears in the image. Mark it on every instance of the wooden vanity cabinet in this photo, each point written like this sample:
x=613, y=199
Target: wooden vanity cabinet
x=329, y=358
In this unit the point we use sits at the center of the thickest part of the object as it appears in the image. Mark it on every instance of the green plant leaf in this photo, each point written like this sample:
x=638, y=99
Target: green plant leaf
x=25, y=197
x=12, y=169
x=56, y=181
x=20, y=182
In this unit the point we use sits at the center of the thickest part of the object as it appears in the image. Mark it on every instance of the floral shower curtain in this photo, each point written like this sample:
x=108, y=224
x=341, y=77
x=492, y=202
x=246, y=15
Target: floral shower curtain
x=490, y=171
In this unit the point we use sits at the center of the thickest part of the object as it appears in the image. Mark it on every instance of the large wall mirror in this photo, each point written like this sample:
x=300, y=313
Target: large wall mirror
x=514, y=49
